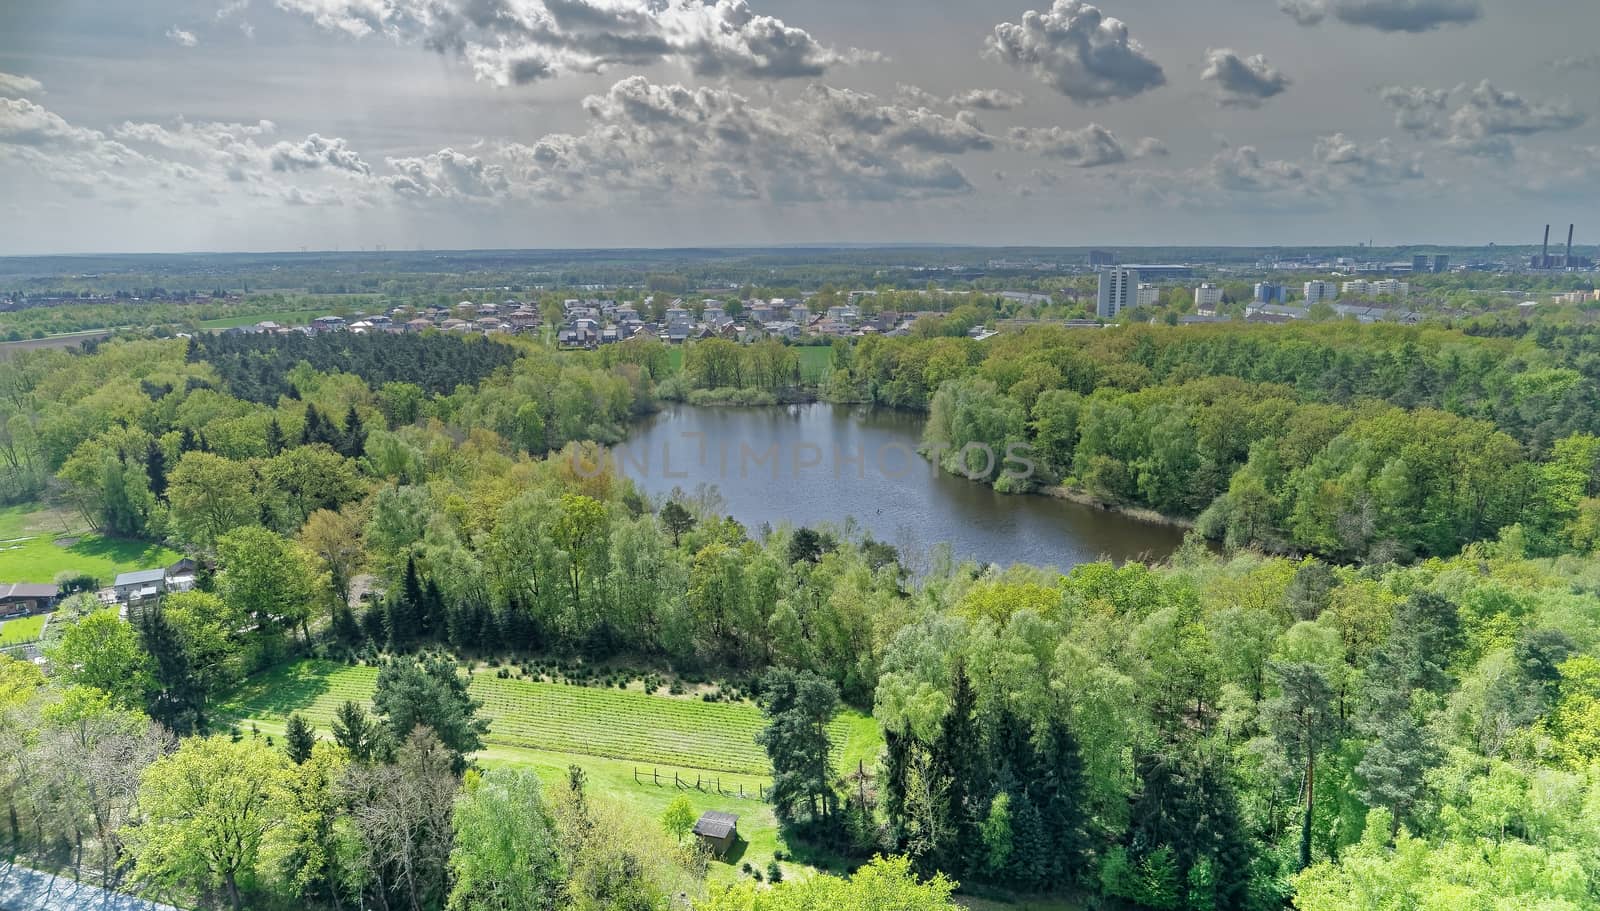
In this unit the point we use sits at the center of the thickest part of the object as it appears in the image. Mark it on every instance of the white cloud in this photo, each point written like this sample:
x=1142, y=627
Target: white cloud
x=1242, y=81
x=182, y=37
x=12, y=86
x=521, y=41
x=1484, y=123
x=1089, y=147
x=1078, y=51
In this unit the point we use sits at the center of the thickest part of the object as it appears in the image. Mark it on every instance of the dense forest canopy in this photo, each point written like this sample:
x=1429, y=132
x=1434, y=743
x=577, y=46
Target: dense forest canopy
x=1383, y=692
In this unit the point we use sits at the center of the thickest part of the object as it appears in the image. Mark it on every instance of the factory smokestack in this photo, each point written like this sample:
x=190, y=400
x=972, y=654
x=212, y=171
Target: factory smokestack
x=1568, y=261
x=1544, y=254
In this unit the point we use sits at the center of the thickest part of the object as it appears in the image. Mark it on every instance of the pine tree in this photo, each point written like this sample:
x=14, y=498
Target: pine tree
x=403, y=610
x=275, y=440
x=298, y=738
x=311, y=431
x=186, y=441
x=175, y=700
x=957, y=752
x=155, y=469
x=353, y=442
x=354, y=731
x=1060, y=799
x=1032, y=865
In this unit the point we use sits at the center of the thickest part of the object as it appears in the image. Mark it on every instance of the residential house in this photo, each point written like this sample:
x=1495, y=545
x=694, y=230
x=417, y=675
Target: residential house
x=19, y=599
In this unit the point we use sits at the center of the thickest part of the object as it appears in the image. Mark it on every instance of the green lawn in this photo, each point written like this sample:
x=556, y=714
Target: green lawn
x=29, y=519
x=281, y=317
x=814, y=362
x=713, y=739
x=40, y=558
x=23, y=630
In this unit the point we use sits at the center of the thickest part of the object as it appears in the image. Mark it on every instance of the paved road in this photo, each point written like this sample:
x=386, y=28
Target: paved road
x=22, y=889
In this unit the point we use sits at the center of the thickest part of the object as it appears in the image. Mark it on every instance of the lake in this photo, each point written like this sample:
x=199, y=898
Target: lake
x=821, y=463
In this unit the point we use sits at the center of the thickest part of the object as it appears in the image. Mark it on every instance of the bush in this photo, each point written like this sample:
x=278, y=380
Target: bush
x=774, y=872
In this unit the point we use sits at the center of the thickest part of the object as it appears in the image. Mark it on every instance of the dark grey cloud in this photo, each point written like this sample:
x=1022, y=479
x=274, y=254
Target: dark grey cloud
x=1078, y=51
x=1386, y=15
x=1242, y=81
x=1089, y=147
x=521, y=41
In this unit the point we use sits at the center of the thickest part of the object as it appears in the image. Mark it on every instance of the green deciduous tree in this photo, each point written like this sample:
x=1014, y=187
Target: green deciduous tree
x=206, y=809
x=103, y=651
x=506, y=855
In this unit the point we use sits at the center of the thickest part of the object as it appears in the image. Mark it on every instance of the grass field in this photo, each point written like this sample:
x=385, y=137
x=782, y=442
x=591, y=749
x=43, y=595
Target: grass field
x=22, y=630
x=281, y=317
x=40, y=558
x=674, y=733
x=814, y=361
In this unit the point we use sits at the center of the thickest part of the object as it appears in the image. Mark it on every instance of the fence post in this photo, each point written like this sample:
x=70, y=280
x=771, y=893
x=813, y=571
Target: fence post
x=697, y=783
x=656, y=775
x=675, y=779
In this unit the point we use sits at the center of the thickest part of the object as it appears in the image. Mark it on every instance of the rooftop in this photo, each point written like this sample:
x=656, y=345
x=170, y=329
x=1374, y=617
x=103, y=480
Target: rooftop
x=140, y=577
x=713, y=824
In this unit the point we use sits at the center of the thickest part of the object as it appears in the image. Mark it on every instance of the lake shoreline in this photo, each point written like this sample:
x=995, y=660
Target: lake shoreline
x=1137, y=513
x=825, y=462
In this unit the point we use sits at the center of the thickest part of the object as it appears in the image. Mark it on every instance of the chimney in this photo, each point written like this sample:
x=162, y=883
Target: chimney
x=1568, y=262
x=1544, y=255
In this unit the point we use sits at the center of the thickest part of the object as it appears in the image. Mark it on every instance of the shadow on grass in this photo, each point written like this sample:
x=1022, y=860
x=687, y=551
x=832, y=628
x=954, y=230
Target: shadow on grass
x=279, y=692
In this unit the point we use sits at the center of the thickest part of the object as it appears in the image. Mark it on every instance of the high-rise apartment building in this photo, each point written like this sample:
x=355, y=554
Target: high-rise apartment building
x=1119, y=291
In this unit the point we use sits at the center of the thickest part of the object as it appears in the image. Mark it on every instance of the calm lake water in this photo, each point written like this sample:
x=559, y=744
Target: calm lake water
x=820, y=463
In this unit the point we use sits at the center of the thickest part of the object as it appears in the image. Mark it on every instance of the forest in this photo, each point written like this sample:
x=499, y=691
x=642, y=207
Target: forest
x=1379, y=690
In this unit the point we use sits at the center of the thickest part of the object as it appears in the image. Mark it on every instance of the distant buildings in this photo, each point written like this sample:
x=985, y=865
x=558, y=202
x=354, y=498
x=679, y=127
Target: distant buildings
x=1100, y=258
x=1269, y=293
x=1390, y=286
x=1318, y=291
x=1207, y=296
x=1149, y=295
x=1119, y=290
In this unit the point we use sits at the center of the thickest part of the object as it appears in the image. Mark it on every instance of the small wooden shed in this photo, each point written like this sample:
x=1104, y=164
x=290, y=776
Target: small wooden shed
x=718, y=831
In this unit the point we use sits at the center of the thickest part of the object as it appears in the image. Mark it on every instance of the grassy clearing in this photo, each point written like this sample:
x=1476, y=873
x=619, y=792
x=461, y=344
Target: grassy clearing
x=281, y=317
x=613, y=780
x=652, y=731
x=814, y=362
x=40, y=558
x=22, y=630
x=638, y=750
x=29, y=519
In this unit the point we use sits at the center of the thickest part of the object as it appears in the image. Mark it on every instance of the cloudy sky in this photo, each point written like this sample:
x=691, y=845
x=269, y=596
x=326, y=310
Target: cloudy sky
x=280, y=124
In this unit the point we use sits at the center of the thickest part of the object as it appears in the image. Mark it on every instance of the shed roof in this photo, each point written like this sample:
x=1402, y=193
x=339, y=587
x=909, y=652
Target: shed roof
x=713, y=824
x=140, y=577
x=26, y=590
